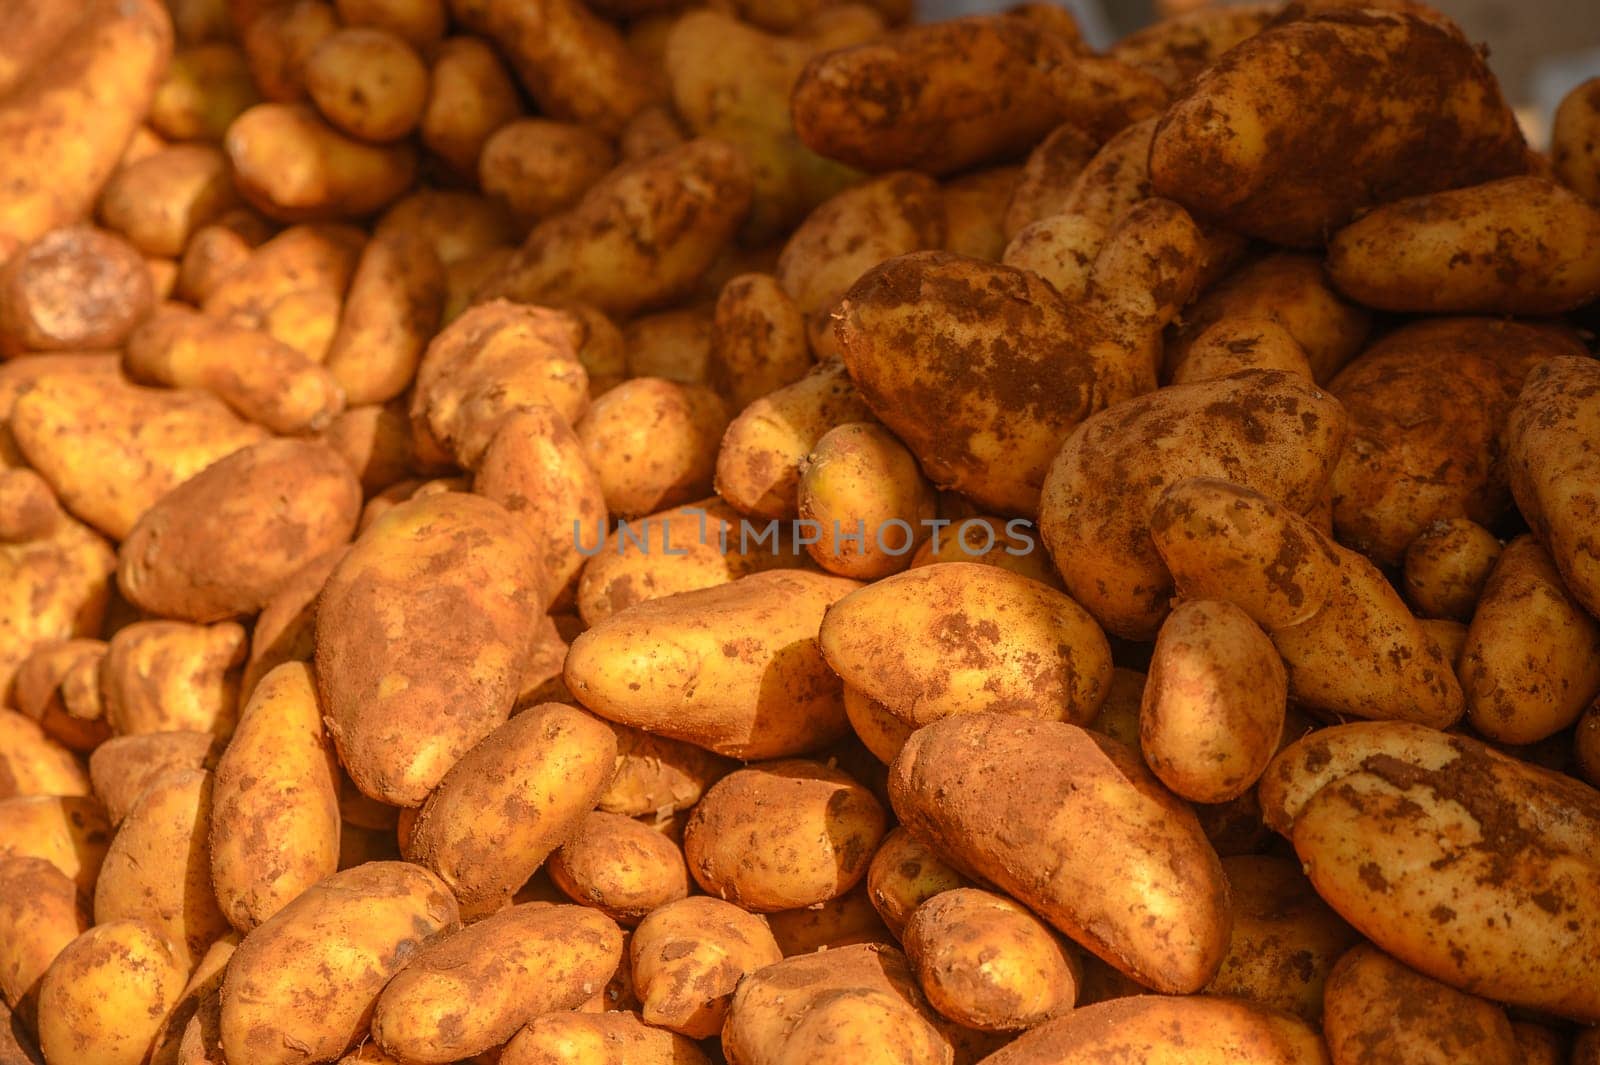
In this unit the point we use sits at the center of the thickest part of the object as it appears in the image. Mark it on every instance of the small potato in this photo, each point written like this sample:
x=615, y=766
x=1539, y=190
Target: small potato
x=158, y=869
x=470, y=95
x=1213, y=703
x=1531, y=662
x=1575, y=140
x=29, y=510
x=68, y=831
x=369, y=83
x=1234, y=344
x=454, y=223
x=165, y=676
x=511, y=800
x=51, y=589
x=657, y=775
x=839, y=922
x=73, y=289
x=285, y=630
x=1061, y=248
x=32, y=763
x=758, y=340
x=1374, y=1001
x=652, y=443
x=278, y=39
x=40, y=914
x=619, y=866
x=867, y=499
x=987, y=963
x=1052, y=167
x=599, y=1039
x=206, y=87
x=301, y=988
x=537, y=167
x=781, y=835
x=1446, y=568
x=159, y=202
x=103, y=999
x=212, y=253
x=293, y=167
x=975, y=209
x=123, y=766
x=688, y=957
x=59, y=687
x=904, y=874
x=472, y=990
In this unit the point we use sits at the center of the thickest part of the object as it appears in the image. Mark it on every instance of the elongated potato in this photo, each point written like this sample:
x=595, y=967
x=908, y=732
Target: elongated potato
x=599, y=1039
x=164, y=676
x=31, y=763
x=1052, y=166
x=512, y=799
x=392, y=310
x=103, y=999
x=1093, y=844
x=71, y=832
x=292, y=166
x=734, y=669
x=40, y=913
x=621, y=867
x=689, y=956
x=470, y=991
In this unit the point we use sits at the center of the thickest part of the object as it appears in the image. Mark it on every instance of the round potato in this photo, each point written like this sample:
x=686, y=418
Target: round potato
x=652, y=443
x=368, y=82
x=1447, y=566
x=1575, y=140
x=867, y=499
x=74, y=289
x=758, y=340
x=103, y=999
x=690, y=955
x=621, y=867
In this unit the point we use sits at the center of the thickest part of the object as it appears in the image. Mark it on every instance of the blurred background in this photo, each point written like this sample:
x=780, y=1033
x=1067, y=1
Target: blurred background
x=1539, y=49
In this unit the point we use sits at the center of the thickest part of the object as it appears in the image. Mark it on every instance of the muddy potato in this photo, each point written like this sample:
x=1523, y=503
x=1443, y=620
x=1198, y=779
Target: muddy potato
x=206, y=87
x=293, y=167
x=31, y=32
x=51, y=589
x=69, y=831
x=657, y=775
x=40, y=913
x=73, y=289
x=1116, y=177
x=1446, y=567
x=688, y=957
x=164, y=676
x=431, y=615
x=159, y=202
x=212, y=253
x=652, y=443
x=1060, y=248
x=1178, y=48
x=614, y=1038
x=392, y=311
x=58, y=685
x=1048, y=175
x=123, y=766
x=843, y=921
x=103, y=999
x=1235, y=344
x=758, y=340
x=619, y=866
x=867, y=499
x=1575, y=140
x=302, y=986
x=510, y=801
x=471, y=990
x=1531, y=662
x=470, y=95
x=368, y=82
x=781, y=835
x=538, y=167
x=905, y=873
x=32, y=763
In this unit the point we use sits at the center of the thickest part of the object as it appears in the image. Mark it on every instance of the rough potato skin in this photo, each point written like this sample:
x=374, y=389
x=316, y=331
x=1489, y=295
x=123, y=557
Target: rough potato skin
x=421, y=638
x=1289, y=134
x=1179, y=47
x=1145, y=891
x=905, y=873
x=511, y=800
x=1446, y=567
x=1553, y=451
x=614, y=1038
x=622, y=867
x=1575, y=140
x=1379, y=1012
x=103, y=999
x=74, y=289
x=52, y=588
x=226, y=541
x=302, y=986
x=471, y=990
x=758, y=340
x=161, y=676
x=690, y=955
x=39, y=915
x=652, y=443
x=868, y=499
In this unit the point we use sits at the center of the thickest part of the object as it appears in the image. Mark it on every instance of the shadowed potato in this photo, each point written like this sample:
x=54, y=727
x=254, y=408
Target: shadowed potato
x=1446, y=567
x=690, y=955
x=73, y=289
x=470, y=95
x=1575, y=140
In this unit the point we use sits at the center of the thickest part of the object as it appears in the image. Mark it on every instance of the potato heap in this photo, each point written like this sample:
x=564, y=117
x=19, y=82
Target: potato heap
x=765, y=532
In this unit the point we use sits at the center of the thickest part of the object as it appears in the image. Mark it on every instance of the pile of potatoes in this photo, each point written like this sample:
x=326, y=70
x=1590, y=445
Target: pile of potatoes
x=661, y=532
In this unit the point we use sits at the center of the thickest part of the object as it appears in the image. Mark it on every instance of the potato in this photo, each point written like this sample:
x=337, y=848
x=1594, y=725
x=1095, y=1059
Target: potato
x=734, y=669
x=598, y=1039
x=1552, y=456
x=1586, y=744
x=1214, y=702
x=758, y=340
x=783, y=834
x=1157, y=1030
x=293, y=167
x=369, y=83
x=206, y=86
x=39, y=915
x=1273, y=432
x=392, y=311
x=470, y=95
x=1574, y=144
x=421, y=23
x=1446, y=567
x=51, y=589
x=1042, y=187
x=159, y=202
x=68, y=831
x=200, y=993
x=165, y=676
x=1531, y=663
x=904, y=874
x=470, y=991
x=1211, y=152
x=32, y=763
x=28, y=508
x=278, y=39
x=123, y=766
x=303, y=258
x=302, y=986
x=689, y=955
x=674, y=344
x=652, y=443
x=415, y=665
x=840, y=922
x=158, y=869
x=58, y=685
x=855, y=485
x=1538, y=1044
x=987, y=963
x=619, y=866
x=962, y=638
x=1402, y=830
x=31, y=32
x=657, y=775
x=538, y=167
x=1235, y=344
x=638, y=239
x=63, y=130
x=512, y=799
x=213, y=252
x=1409, y=462
x=103, y=999
x=1178, y=48
x=73, y=289
x=375, y=442
x=989, y=541
x=285, y=630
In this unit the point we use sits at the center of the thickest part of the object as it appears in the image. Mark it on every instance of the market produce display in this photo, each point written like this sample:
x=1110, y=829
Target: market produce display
x=771, y=532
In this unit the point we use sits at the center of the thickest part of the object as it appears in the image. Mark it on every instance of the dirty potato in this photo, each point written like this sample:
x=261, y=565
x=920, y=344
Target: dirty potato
x=621, y=867
x=652, y=443
x=867, y=500
x=74, y=289
x=103, y=999
x=1446, y=567
x=689, y=956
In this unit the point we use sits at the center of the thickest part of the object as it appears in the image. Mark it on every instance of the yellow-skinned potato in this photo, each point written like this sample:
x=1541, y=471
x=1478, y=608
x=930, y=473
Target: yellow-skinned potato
x=1404, y=831
x=305, y=321
x=975, y=209
x=420, y=22
x=278, y=38
x=1575, y=140
x=275, y=801
x=51, y=589
x=1143, y=890
x=470, y=991
x=963, y=638
x=392, y=310
x=212, y=253
x=69, y=831
x=1157, y=1030
x=292, y=166
x=319, y=257
x=758, y=340
x=302, y=986
x=1229, y=149
x=1446, y=567
x=868, y=500
x=659, y=776
x=538, y=167
x=688, y=957
x=40, y=914
x=1114, y=179
x=32, y=763
x=1285, y=939
x=781, y=835
x=1235, y=344
x=511, y=800
x=905, y=873
x=164, y=676
x=1178, y=48
x=1213, y=702
x=640, y=238
x=1351, y=645
x=1531, y=662
x=63, y=130
x=200, y=993
x=123, y=766
x=416, y=665
x=987, y=963
x=652, y=443
x=455, y=223
x=285, y=630
x=1061, y=248
x=1277, y=434
x=158, y=869
x=375, y=442
x=988, y=541
x=59, y=687
x=1052, y=167
x=75, y=288
x=673, y=344
x=843, y=921
x=1521, y=245
x=619, y=866
x=599, y=1039
x=205, y=88
x=159, y=202
x=31, y=32
x=367, y=82
x=734, y=669
x=1553, y=454
x=103, y=999
x=1374, y=1001
x=470, y=95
